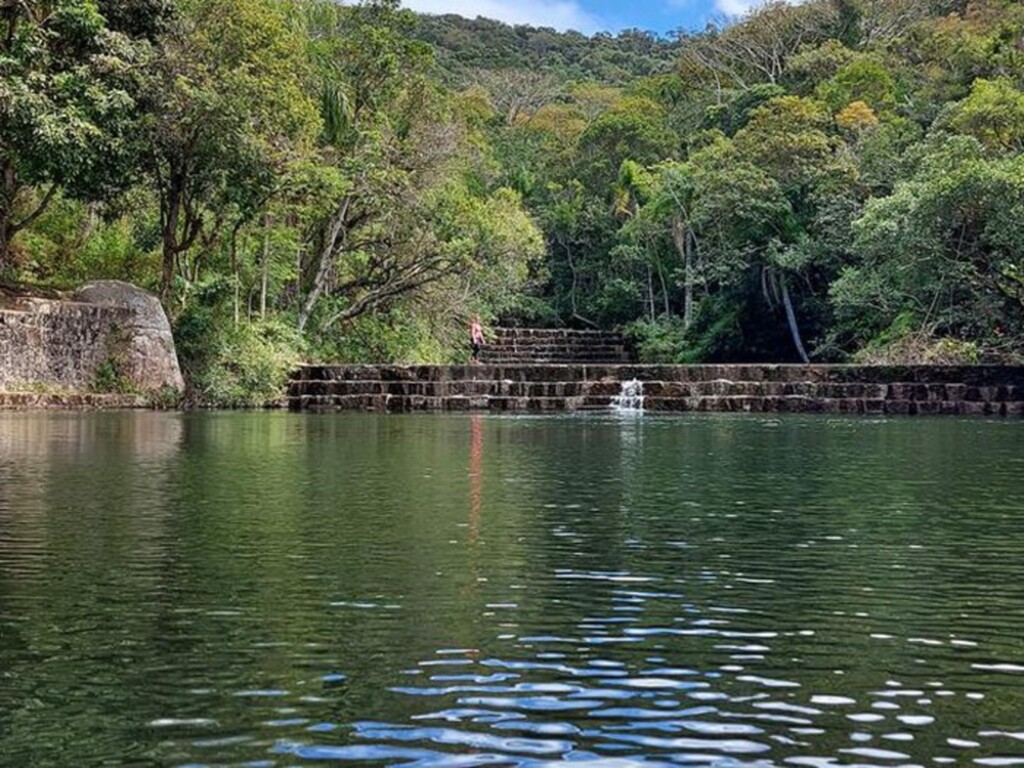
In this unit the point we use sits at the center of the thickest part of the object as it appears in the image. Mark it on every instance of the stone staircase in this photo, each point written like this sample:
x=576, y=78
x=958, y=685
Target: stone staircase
x=533, y=346
x=880, y=390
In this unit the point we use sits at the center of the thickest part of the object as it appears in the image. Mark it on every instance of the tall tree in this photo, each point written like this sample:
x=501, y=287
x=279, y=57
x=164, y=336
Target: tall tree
x=66, y=107
x=944, y=248
x=226, y=107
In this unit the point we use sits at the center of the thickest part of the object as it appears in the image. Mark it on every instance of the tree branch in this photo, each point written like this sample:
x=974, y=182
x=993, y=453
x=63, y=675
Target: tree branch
x=47, y=198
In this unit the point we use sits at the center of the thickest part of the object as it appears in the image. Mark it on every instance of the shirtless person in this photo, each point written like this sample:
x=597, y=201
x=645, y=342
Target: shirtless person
x=476, y=338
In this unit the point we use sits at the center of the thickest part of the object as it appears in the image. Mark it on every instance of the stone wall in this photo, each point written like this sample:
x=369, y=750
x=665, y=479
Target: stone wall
x=897, y=390
x=49, y=344
x=46, y=343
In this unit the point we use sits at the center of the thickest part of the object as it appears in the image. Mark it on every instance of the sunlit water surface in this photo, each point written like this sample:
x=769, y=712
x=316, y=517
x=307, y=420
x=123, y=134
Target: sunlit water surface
x=279, y=590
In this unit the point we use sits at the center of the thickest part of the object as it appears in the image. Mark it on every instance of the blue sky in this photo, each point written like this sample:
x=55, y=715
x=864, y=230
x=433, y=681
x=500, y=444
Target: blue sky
x=591, y=16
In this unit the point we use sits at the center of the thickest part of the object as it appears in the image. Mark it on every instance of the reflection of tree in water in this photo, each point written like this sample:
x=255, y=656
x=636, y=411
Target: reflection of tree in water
x=275, y=549
x=87, y=536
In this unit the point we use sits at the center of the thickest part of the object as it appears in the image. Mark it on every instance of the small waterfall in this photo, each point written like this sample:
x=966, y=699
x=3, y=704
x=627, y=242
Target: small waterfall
x=630, y=399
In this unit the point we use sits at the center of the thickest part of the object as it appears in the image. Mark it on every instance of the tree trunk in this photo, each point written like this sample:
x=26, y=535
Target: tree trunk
x=791, y=317
x=664, y=290
x=575, y=282
x=5, y=241
x=266, y=259
x=234, y=273
x=178, y=234
x=683, y=239
x=575, y=278
x=7, y=194
x=172, y=215
x=650, y=292
x=691, y=246
x=333, y=242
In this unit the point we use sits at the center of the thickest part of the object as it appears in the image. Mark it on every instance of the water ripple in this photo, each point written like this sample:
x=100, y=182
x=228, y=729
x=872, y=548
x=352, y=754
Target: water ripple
x=262, y=590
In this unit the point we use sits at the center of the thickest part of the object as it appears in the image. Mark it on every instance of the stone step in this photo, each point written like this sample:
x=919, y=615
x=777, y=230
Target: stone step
x=542, y=348
x=963, y=390
x=579, y=358
x=902, y=391
x=548, y=333
x=409, y=403
x=556, y=352
x=462, y=388
x=990, y=378
x=539, y=358
x=555, y=343
x=703, y=404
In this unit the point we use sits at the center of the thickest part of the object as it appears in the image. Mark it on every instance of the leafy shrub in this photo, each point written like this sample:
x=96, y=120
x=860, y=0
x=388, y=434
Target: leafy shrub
x=229, y=365
x=109, y=378
x=72, y=243
x=661, y=341
x=905, y=344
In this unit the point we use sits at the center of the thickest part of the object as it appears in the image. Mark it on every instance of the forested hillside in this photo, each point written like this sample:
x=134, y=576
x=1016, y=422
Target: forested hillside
x=839, y=180
x=463, y=46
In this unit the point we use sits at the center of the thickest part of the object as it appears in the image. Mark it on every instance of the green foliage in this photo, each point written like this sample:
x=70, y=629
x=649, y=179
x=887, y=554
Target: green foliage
x=993, y=114
x=399, y=334
x=944, y=245
x=940, y=256
x=660, y=341
x=228, y=364
x=67, y=108
x=72, y=243
x=353, y=181
x=464, y=45
x=633, y=129
x=787, y=138
x=864, y=79
x=227, y=110
x=905, y=343
x=732, y=115
x=814, y=65
x=109, y=378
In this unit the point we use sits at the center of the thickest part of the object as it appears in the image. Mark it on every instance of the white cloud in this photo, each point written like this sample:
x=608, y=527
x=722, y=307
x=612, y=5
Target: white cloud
x=560, y=14
x=739, y=7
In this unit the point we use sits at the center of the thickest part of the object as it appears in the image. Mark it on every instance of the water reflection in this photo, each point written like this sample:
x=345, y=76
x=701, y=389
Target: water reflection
x=476, y=476
x=267, y=589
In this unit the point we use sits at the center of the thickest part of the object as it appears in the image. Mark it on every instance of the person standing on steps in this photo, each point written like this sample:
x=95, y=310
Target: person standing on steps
x=476, y=338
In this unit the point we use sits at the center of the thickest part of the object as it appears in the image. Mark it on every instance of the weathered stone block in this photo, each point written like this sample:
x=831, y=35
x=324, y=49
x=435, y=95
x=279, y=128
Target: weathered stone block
x=900, y=407
x=148, y=357
x=975, y=408
x=63, y=344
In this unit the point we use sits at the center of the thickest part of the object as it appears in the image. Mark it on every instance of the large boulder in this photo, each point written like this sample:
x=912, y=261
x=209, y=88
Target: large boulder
x=146, y=354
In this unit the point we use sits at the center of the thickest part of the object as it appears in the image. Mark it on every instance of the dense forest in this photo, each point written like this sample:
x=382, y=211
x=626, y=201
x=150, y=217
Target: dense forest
x=841, y=180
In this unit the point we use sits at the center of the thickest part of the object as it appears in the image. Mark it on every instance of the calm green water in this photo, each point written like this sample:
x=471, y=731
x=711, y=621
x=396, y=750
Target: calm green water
x=283, y=590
